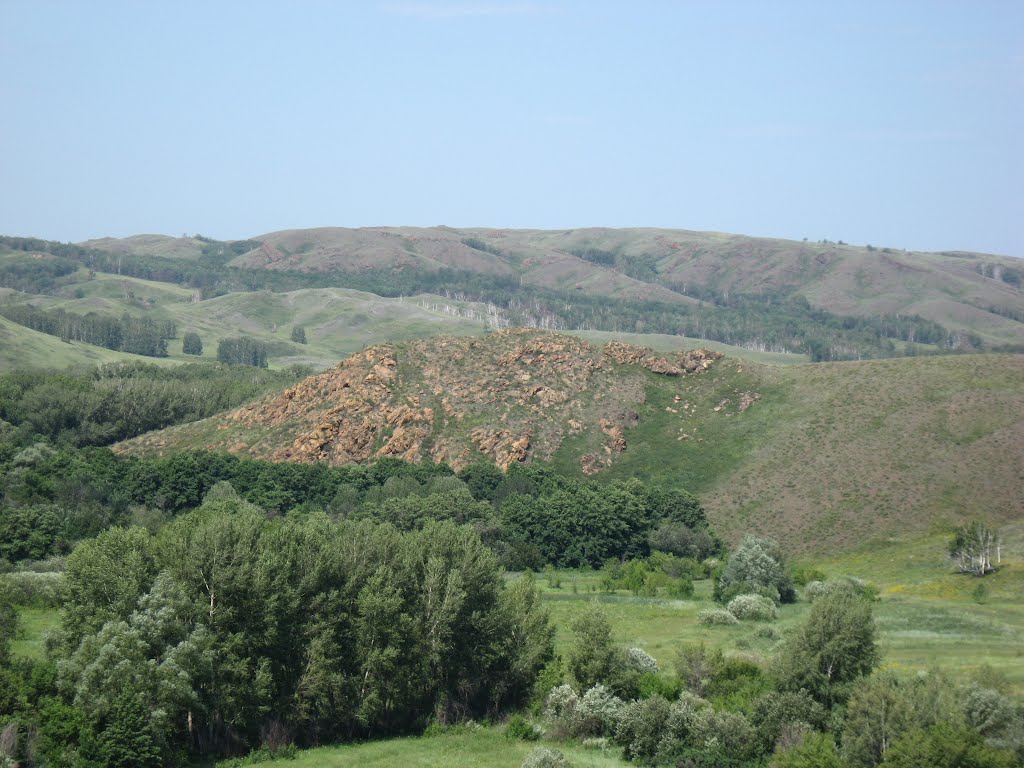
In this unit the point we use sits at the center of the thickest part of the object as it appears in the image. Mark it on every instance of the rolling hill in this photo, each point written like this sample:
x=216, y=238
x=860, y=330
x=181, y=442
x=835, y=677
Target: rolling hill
x=822, y=456
x=970, y=293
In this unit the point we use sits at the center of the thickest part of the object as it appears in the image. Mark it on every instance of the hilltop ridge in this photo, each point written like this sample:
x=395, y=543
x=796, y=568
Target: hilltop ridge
x=821, y=455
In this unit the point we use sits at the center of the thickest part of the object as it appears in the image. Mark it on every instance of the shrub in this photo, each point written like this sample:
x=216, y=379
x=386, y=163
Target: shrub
x=851, y=584
x=597, y=712
x=728, y=733
x=775, y=712
x=28, y=588
x=755, y=567
x=572, y=716
x=716, y=616
x=813, y=590
x=542, y=757
x=681, y=588
x=561, y=703
x=753, y=608
x=767, y=632
x=655, y=730
x=806, y=574
x=651, y=684
x=641, y=728
x=519, y=728
x=814, y=750
x=641, y=660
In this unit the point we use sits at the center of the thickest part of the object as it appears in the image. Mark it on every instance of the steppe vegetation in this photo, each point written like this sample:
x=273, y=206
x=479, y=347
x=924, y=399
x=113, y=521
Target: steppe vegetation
x=589, y=543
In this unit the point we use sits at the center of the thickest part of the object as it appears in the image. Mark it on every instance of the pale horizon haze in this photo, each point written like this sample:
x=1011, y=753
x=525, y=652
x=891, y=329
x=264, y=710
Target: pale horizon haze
x=897, y=124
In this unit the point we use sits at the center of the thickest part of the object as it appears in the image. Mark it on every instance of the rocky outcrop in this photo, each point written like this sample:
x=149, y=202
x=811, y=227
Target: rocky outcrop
x=694, y=361
x=510, y=397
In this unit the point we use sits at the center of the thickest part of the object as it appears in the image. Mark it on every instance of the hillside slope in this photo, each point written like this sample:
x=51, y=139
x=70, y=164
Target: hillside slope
x=965, y=292
x=822, y=456
x=21, y=347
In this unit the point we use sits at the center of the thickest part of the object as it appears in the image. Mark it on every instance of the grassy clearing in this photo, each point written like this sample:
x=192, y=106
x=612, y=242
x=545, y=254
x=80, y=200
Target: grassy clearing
x=485, y=747
x=33, y=625
x=927, y=615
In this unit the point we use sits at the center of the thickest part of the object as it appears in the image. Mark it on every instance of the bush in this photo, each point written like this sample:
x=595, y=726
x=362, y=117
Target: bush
x=806, y=574
x=767, y=632
x=716, y=616
x=519, y=728
x=728, y=733
x=28, y=588
x=753, y=608
x=655, y=730
x=542, y=757
x=641, y=661
x=681, y=588
x=597, y=712
x=755, y=567
x=641, y=728
x=572, y=716
x=851, y=584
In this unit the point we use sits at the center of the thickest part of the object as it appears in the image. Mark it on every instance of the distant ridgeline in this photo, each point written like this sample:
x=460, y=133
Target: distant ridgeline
x=775, y=321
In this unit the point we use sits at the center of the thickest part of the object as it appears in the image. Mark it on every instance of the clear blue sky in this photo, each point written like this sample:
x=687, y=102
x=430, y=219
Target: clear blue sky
x=895, y=123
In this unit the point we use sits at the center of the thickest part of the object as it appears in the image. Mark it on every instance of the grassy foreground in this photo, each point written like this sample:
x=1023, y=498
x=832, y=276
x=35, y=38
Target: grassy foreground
x=476, y=746
x=927, y=615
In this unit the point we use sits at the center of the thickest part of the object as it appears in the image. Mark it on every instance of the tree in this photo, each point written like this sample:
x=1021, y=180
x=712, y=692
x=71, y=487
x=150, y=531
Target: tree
x=755, y=567
x=103, y=580
x=8, y=629
x=816, y=750
x=972, y=548
x=242, y=351
x=191, y=344
x=594, y=658
x=878, y=714
x=946, y=746
x=299, y=334
x=834, y=647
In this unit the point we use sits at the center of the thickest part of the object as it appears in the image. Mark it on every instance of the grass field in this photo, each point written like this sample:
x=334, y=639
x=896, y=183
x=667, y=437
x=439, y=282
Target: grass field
x=33, y=624
x=927, y=615
x=21, y=347
x=483, y=746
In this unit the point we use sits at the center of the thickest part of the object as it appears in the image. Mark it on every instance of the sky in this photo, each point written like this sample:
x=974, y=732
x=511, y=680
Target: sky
x=895, y=123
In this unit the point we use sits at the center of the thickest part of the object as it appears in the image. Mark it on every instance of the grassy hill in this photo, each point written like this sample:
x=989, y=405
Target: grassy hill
x=964, y=292
x=823, y=456
x=22, y=347
x=337, y=321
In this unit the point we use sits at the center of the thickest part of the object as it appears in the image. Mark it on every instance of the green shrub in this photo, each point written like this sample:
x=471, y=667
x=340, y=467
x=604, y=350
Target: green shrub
x=753, y=608
x=803, y=575
x=542, y=757
x=521, y=729
x=716, y=616
x=28, y=588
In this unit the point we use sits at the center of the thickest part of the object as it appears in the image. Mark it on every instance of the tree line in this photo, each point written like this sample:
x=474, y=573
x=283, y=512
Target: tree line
x=137, y=335
x=102, y=405
x=229, y=630
x=780, y=320
x=530, y=518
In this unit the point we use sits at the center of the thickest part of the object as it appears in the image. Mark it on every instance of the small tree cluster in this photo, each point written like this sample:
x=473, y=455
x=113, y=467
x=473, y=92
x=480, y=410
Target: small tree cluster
x=756, y=567
x=242, y=351
x=973, y=547
x=191, y=344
